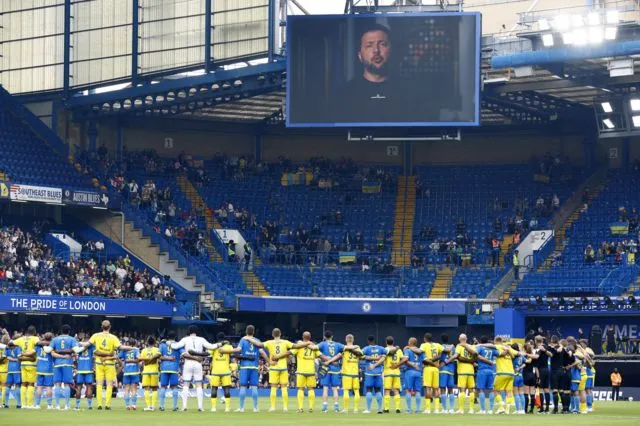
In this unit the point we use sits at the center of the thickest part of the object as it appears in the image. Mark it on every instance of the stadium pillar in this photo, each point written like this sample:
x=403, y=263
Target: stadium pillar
x=509, y=323
x=66, y=61
x=207, y=36
x=258, y=148
x=92, y=135
x=135, y=25
x=408, y=147
x=625, y=152
x=271, y=32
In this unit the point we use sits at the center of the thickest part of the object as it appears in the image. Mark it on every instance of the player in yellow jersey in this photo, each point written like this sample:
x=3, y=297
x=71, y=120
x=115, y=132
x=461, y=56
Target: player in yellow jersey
x=27, y=344
x=505, y=373
x=221, y=372
x=431, y=373
x=278, y=371
x=590, y=364
x=350, y=372
x=305, y=369
x=391, y=360
x=465, y=370
x=150, y=356
x=106, y=346
x=4, y=365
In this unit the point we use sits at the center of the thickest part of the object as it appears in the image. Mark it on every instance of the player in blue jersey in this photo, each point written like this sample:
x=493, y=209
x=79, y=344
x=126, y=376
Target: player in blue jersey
x=44, y=371
x=249, y=352
x=63, y=365
x=14, y=379
x=486, y=372
x=518, y=379
x=373, y=376
x=84, y=373
x=169, y=370
x=130, y=375
x=413, y=364
x=447, y=375
x=332, y=379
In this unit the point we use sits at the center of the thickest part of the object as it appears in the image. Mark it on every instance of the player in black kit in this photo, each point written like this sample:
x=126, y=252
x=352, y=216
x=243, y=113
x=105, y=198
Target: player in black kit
x=529, y=375
x=557, y=371
x=565, y=384
x=544, y=374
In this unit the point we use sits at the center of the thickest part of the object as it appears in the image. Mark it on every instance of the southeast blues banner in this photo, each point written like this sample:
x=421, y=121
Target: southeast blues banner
x=83, y=305
x=41, y=194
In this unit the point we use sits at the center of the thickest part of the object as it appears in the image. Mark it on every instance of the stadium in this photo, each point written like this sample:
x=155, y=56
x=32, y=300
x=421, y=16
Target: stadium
x=301, y=211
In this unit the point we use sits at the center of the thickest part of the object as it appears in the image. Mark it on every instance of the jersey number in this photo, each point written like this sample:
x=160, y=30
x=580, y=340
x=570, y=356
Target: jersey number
x=307, y=352
x=104, y=343
x=277, y=350
x=62, y=344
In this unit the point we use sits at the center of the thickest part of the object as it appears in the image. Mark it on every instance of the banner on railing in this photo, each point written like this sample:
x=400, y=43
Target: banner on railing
x=371, y=187
x=41, y=194
x=619, y=228
x=347, y=256
x=85, y=198
x=4, y=190
x=83, y=305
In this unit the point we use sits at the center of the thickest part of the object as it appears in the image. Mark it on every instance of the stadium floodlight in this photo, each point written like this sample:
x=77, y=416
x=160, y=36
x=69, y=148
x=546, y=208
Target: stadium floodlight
x=562, y=22
x=577, y=21
x=580, y=37
x=635, y=104
x=595, y=35
x=607, y=122
x=612, y=17
x=636, y=120
x=593, y=19
x=606, y=107
x=610, y=33
x=547, y=40
x=543, y=24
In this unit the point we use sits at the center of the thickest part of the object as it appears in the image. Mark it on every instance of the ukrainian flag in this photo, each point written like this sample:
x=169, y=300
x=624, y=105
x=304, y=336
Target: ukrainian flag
x=347, y=256
x=619, y=228
x=371, y=188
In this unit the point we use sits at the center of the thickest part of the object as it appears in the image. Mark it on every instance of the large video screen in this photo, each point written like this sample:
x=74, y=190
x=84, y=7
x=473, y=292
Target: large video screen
x=383, y=70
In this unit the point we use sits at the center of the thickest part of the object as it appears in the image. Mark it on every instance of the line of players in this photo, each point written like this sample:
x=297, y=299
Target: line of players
x=506, y=375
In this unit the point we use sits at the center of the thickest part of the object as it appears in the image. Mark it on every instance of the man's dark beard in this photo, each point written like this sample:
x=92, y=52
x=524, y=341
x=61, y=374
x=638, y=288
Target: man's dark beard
x=382, y=70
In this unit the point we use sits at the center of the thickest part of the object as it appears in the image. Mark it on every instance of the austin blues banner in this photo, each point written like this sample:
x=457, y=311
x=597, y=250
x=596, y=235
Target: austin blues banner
x=85, y=198
x=83, y=305
x=330, y=305
x=41, y=194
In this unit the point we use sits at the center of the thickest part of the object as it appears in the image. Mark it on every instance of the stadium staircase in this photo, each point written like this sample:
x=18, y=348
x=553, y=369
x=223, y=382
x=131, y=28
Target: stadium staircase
x=198, y=203
x=566, y=217
x=251, y=280
x=442, y=284
x=403, y=221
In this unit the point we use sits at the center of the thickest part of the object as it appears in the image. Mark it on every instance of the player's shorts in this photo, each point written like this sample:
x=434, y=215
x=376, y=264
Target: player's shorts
x=131, y=379
x=350, y=383
x=150, y=380
x=28, y=374
x=544, y=381
x=485, y=380
x=518, y=381
x=192, y=371
x=373, y=382
x=413, y=381
x=84, y=379
x=304, y=381
x=392, y=382
x=447, y=380
x=45, y=380
x=216, y=381
x=556, y=379
x=332, y=380
x=466, y=381
x=169, y=379
x=529, y=379
x=14, y=378
x=278, y=377
x=249, y=377
x=105, y=373
x=503, y=382
x=565, y=382
x=431, y=377
x=63, y=375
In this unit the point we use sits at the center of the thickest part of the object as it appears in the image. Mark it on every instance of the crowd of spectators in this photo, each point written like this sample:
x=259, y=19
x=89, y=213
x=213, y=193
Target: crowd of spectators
x=28, y=265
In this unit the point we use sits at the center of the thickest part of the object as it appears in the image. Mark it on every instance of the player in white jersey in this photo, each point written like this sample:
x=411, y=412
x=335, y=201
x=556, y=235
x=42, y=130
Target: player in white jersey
x=195, y=348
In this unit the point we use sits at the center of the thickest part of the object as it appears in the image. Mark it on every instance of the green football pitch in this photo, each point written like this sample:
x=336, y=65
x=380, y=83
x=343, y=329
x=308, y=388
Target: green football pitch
x=606, y=413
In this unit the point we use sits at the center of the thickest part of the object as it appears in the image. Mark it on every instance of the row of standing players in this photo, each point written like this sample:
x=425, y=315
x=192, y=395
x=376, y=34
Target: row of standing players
x=505, y=375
